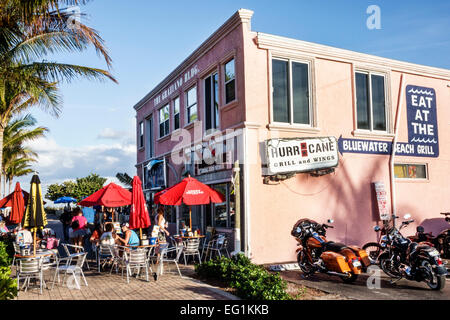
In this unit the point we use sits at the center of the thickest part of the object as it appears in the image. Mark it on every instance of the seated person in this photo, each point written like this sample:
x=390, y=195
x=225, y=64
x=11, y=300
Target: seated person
x=107, y=237
x=3, y=228
x=96, y=234
x=131, y=237
x=24, y=237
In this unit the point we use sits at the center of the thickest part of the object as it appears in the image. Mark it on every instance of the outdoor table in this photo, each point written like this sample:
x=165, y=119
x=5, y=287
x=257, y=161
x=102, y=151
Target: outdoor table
x=39, y=254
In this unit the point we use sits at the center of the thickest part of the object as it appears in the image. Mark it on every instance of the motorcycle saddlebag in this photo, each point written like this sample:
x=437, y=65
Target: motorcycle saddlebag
x=335, y=262
x=365, y=261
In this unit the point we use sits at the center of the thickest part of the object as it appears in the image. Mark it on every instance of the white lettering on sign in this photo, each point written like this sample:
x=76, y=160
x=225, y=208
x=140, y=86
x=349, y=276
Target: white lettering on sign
x=168, y=91
x=301, y=155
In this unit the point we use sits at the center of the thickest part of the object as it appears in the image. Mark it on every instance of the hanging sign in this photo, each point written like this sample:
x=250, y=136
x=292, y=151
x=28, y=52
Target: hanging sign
x=301, y=154
x=380, y=192
x=422, y=120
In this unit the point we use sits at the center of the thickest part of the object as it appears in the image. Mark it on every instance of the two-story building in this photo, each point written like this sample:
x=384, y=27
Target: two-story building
x=316, y=132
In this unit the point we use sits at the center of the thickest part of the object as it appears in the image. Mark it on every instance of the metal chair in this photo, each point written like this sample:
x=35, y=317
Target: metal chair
x=30, y=268
x=164, y=257
x=105, y=253
x=191, y=248
x=67, y=248
x=218, y=245
x=136, y=259
x=16, y=251
x=74, y=270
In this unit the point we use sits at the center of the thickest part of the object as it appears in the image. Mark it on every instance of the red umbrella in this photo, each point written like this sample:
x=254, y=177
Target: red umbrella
x=189, y=191
x=16, y=201
x=139, y=217
x=111, y=196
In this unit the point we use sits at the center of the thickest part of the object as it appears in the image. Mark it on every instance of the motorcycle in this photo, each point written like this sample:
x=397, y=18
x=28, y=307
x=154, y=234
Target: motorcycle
x=316, y=254
x=441, y=242
x=403, y=258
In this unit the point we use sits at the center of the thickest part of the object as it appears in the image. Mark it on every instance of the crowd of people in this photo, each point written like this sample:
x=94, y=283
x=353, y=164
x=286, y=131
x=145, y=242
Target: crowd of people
x=97, y=226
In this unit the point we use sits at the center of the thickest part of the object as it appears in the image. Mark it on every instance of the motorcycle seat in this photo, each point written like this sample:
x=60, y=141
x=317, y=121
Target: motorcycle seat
x=334, y=246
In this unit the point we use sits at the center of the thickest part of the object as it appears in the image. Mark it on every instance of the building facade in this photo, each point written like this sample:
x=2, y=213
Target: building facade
x=288, y=129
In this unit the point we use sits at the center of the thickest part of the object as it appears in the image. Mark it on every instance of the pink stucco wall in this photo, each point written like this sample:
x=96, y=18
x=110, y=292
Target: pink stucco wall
x=347, y=195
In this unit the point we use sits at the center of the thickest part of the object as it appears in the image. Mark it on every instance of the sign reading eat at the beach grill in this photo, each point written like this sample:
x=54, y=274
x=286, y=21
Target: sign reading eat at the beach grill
x=422, y=120
x=301, y=154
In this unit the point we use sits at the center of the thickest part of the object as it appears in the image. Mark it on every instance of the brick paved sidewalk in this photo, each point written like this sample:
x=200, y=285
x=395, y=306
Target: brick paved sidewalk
x=170, y=286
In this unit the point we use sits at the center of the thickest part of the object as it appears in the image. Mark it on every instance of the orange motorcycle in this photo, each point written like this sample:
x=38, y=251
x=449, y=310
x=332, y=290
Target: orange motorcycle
x=316, y=254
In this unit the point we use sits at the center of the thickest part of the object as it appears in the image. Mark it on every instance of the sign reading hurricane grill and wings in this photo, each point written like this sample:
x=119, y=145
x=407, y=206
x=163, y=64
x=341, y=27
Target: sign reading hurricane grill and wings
x=301, y=154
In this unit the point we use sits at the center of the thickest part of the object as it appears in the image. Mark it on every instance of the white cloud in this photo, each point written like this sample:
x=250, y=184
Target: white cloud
x=108, y=133
x=58, y=163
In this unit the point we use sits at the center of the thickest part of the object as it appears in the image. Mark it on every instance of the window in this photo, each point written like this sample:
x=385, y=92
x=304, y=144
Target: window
x=410, y=171
x=290, y=95
x=176, y=113
x=141, y=134
x=370, y=101
x=164, y=121
x=230, y=82
x=211, y=102
x=191, y=105
x=149, y=146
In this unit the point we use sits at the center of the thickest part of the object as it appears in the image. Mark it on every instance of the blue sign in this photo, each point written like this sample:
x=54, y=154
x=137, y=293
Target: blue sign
x=422, y=120
x=422, y=129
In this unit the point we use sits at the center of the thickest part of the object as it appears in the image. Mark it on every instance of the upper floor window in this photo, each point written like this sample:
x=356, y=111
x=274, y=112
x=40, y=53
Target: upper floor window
x=176, y=113
x=149, y=143
x=230, y=82
x=191, y=105
x=141, y=134
x=291, y=92
x=164, y=121
x=211, y=85
x=370, y=101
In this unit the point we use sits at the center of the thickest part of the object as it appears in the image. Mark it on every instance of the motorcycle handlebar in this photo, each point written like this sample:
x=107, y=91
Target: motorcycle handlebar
x=327, y=226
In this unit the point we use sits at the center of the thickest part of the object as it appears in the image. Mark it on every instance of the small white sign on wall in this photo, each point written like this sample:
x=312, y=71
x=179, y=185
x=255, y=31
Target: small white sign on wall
x=380, y=191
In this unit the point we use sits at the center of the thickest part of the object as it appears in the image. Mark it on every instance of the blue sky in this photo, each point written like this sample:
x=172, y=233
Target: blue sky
x=148, y=39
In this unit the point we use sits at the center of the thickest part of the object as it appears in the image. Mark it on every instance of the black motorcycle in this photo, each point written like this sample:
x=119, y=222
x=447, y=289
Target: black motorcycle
x=403, y=258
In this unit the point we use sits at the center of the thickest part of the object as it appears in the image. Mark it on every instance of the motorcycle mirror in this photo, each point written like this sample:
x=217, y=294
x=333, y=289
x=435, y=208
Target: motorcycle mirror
x=407, y=216
x=330, y=221
x=298, y=230
x=376, y=228
x=420, y=229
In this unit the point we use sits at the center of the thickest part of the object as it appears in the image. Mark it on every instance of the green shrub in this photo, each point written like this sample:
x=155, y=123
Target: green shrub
x=8, y=286
x=251, y=281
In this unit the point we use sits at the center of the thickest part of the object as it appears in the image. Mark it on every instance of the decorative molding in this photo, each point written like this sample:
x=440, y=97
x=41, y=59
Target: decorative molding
x=242, y=16
x=292, y=128
x=293, y=46
x=373, y=134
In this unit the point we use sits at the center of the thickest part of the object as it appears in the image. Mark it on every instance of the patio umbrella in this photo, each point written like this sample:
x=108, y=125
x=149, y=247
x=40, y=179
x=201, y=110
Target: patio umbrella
x=65, y=200
x=139, y=217
x=189, y=191
x=16, y=201
x=35, y=217
x=111, y=196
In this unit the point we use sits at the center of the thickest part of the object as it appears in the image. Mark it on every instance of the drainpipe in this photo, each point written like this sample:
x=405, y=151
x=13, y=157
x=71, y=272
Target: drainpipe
x=237, y=209
x=394, y=144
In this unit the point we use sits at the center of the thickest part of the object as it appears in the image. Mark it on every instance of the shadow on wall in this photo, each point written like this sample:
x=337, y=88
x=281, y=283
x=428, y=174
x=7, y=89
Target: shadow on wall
x=435, y=225
x=355, y=201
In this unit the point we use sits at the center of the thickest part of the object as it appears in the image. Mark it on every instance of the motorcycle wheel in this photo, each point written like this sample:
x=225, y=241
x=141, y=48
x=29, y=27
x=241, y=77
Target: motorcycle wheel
x=304, y=264
x=373, y=249
x=388, y=268
x=350, y=279
x=437, y=282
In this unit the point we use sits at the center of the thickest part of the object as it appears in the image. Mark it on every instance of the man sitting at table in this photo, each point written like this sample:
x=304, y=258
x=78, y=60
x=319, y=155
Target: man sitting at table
x=131, y=237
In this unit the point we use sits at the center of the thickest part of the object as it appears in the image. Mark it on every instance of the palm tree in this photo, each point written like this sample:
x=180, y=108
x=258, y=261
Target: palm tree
x=29, y=31
x=16, y=156
x=125, y=179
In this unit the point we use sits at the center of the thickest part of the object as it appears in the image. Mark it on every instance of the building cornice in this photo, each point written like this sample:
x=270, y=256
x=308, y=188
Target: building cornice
x=278, y=43
x=240, y=17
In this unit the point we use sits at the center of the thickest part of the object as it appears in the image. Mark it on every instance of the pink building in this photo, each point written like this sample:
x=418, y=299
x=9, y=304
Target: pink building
x=311, y=129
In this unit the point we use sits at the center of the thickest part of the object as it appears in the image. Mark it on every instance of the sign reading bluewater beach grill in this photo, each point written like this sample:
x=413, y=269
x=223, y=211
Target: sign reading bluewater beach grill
x=301, y=154
x=422, y=129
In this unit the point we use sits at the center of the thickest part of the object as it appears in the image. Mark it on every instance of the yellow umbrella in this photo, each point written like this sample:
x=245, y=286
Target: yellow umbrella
x=35, y=217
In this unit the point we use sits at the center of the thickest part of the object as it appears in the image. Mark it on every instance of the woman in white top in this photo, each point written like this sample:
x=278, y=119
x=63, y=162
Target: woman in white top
x=162, y=224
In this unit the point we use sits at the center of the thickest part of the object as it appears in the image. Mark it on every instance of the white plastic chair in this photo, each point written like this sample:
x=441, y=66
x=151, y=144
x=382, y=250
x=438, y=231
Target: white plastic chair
x=164, y=257
x=67, y=248
x=217, y=245
x=74, y=270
